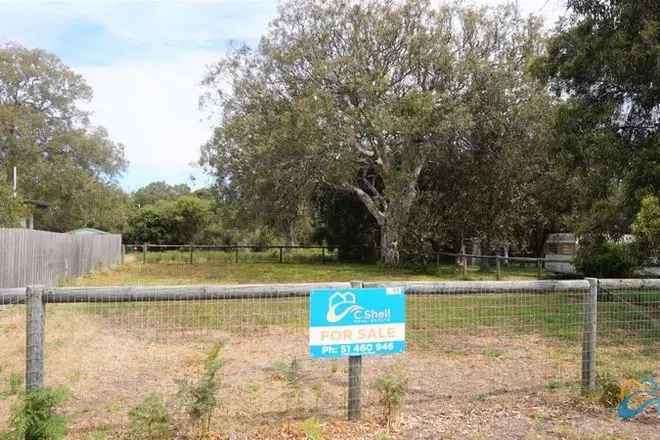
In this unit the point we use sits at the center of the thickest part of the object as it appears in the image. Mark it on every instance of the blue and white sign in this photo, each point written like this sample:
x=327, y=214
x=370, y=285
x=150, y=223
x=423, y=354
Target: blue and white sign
x=357, y=322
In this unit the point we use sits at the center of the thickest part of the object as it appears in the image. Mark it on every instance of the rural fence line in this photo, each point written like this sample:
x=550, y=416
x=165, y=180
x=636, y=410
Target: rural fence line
x=526, y=333
x=38, y=257
x=326, y=253
x=193, y=253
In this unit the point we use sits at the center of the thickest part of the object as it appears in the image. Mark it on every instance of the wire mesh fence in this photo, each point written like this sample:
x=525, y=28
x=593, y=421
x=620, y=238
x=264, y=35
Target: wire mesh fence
x=226, y=254
x=470, y=345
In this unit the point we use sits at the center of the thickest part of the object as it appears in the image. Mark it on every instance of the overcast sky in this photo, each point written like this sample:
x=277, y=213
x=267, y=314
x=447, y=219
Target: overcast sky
x=145, y=60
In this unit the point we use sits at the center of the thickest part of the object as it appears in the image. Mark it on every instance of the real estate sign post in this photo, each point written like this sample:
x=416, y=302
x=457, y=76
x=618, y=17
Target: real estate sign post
x=356, y=322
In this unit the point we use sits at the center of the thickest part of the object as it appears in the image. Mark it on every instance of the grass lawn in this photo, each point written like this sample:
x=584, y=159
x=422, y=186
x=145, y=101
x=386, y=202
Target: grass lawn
x=174, y=268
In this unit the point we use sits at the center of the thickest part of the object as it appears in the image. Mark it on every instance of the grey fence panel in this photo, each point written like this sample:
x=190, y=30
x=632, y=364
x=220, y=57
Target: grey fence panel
x=40, y=257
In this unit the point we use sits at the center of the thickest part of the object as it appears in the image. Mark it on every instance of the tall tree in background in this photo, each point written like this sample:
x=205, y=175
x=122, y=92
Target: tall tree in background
x=61, y=158
x=357, y=96
x=500, y=187
x=605, y=64
x=155, y=191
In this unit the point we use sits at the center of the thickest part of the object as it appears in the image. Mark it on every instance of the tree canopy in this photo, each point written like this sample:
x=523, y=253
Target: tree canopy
x=361, y=97
x=603, y=63
x=61, y=158
x=159, y=190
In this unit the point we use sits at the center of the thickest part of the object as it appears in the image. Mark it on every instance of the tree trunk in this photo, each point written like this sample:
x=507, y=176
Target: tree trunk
x=484, y=263
x=389, y=243
x=391, y=228
x=391, y=210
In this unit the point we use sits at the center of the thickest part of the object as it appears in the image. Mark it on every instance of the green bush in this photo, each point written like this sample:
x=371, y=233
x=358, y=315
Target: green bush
x=312, y=429
x=199, y=398
x=391, y=390
x=35, y=416
x=15, y=383
x=647, y=227
x=262, y=238
x=150, y=420
x=605, y=260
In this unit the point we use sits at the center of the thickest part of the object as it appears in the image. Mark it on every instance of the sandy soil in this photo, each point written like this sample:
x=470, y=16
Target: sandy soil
x=477, y=386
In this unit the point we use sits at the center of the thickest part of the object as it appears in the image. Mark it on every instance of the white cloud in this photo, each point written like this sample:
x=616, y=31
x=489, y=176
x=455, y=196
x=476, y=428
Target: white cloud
x=151, y=104
x=152, y=108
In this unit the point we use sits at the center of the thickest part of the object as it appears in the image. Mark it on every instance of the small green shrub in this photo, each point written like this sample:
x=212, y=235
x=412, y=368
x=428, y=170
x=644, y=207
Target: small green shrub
x=610, y=395
x=391, y=390
x=199, y=398
x=292, y=373
x=312, y=429
x=262, y=238
x=15, y=383
x=605, y=260
x=35, y=416
x=150, y=420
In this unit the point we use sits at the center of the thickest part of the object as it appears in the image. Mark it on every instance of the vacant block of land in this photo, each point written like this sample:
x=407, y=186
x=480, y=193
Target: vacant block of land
x=500, y=366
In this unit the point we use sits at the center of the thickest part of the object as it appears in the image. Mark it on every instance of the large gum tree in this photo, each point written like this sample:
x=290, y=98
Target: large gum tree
x=359, y=96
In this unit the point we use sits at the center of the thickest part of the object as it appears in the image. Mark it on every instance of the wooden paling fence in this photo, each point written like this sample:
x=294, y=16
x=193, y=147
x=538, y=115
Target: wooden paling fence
x=39, y=257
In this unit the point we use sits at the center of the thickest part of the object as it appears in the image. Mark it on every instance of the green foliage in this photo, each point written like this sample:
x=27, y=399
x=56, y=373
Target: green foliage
x=383, y=97
x=150, y=420
x=61, y=158
x=610, y=394
x=157, y=191
x=178, y=221
x=601, y=259
x=312, y=429
x=262, y=237
x=11, y=209
x=603, y=63
x=199, y=398
x=35, y=416
x=646, y=226
x=343, y=221
x=392, y=390
x=15, y=383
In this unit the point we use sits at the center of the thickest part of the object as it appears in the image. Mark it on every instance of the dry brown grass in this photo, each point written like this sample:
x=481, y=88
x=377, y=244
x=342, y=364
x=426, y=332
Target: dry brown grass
x=490, y=384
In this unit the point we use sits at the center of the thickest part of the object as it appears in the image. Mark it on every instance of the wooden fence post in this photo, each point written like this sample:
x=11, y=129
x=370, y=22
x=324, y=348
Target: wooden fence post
x=144, y=253
x=498, y=264
x=589, y=336
x=35, y=338
x=355, y=378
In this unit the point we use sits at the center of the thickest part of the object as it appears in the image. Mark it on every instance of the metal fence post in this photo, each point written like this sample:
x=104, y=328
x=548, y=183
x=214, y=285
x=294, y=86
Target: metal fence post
x=465, y=266
x=498, y=264
x=280, y=254
x=355, y=378
x=123, y=253
x=144, y=253
x=589, y=336
x=35, y=338
x=322, y=255
x=191, y=254
x=538, y=268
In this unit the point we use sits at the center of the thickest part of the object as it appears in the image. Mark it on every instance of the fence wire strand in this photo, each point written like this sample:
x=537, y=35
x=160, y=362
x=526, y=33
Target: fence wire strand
x=468, y=344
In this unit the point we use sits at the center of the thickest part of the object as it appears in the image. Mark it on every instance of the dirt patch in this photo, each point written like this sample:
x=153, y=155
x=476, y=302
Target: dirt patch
x=481, y=385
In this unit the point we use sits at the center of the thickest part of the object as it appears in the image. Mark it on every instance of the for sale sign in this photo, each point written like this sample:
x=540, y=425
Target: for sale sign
x=357, y=322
